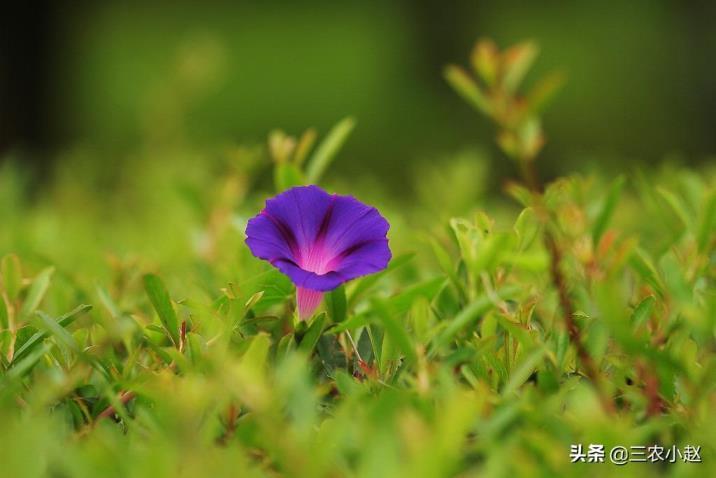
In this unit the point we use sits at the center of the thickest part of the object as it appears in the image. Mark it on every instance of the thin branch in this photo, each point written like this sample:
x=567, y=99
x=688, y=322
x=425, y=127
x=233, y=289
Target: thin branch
x=232, y=414
x=124, y=398
x=655, y=404
x=531, y=179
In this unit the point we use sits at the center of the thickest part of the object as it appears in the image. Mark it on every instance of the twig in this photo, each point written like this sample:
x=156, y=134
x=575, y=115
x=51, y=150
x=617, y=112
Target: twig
x=124, y=398
x=655, y=405
x=232, y=414
x=559, y=282
x=573, y=330
x=182, y=336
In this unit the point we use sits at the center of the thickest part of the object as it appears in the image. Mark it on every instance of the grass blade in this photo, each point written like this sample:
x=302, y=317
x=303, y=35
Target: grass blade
x=159, y=297
x=62, y=322
x=326, y=151
x=36, y=293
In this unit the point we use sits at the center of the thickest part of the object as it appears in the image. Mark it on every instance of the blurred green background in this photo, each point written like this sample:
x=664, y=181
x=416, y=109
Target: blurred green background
x=116, y=77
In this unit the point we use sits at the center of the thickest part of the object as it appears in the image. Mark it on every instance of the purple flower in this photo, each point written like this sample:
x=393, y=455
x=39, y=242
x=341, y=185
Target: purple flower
x=319, y=241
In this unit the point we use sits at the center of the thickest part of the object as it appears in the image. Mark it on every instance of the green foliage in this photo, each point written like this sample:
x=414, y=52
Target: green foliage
x=454, y=361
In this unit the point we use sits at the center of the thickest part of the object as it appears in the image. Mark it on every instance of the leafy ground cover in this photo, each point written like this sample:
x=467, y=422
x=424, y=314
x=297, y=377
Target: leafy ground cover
x=140, y=337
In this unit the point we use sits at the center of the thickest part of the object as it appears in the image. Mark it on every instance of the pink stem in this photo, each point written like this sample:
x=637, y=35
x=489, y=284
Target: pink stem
x=308, y=301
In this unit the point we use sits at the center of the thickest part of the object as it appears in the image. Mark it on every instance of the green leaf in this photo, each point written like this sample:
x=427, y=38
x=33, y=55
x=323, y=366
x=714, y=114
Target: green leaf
x=336, y=304
x=28, y=362
x=53, y=327
x=447, y=266
x=280, y=146
x=37, y=291
x=285, y=346
x=354, y=322
x=543, y=92
x=326, y=151
x=401, y=302
x=397, y=336
x=676, y=205
x=286, y=176
x=108, y=302
x=310, y=338
x=256, y=355
x=517, y=61
x=159, y=297
x=4, y=324
x=644, y=266
x=643, y=311
x=526, y=228
x=62, y=322
x=485, y=59
x=304, y=146
x=607, y=210
x=468, y=89
x=708, y=223
x=522, y=372
x=491, y=251
x=364, y=284
x=471, y=313
x=11, y=276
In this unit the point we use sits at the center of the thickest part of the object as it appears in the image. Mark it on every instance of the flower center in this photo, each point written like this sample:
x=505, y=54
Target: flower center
x=317, y=260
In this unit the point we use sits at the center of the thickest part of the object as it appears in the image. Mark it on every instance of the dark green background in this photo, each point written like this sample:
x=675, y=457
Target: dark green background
x=117, y=76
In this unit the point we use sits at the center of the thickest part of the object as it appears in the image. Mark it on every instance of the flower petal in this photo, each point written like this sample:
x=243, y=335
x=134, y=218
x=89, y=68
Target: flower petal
x=352, y=222
x=365, y=258
x=307, y=279
x=299, y=214
x=356, y=238
x=266, y=240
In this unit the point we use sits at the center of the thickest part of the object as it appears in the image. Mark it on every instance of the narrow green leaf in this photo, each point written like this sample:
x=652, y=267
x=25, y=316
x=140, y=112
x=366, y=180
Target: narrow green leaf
x=63, y=322
x=676, y=205
x=644, y=266
x=485, y=59
x=354, y=322
x=517, y=61
x=336, y=304
x=159, y=297
x=543, y=92
x=11, y=276
x=108, y=302
x=526, y=228
x=310, y=338
x=54, y=328
x=326, y=151
x=365, y=283
x=471, y=313
x=286, y=345
x=37, y=291
x=491, y=251
x=523, y=371
x=28, y=362
x=256, y=355
x=304, y=146
x=607, y=210
x=4, y=324
x=397, y=335
x=708, y=223
x=286, y=176
x=447, y=266
x=643, y=311
x=467, y=88
x=401, y=302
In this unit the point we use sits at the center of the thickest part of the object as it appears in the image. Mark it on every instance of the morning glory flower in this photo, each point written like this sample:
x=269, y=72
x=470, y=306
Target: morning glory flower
x=319, y=241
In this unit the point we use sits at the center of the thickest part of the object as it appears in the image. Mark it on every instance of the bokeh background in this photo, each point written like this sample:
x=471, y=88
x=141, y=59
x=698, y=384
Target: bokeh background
x=114, y=77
